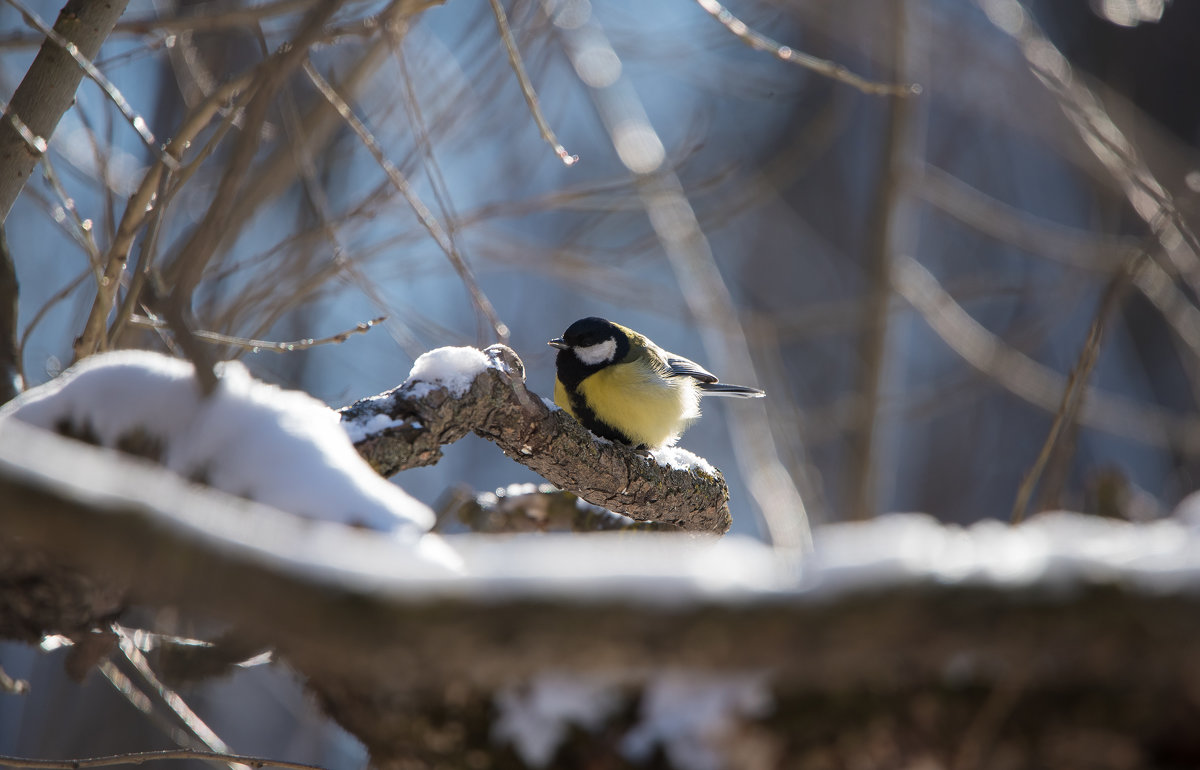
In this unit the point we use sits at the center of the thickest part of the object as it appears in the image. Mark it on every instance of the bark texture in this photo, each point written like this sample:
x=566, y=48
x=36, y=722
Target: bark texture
x=927, y=674
x=48, y=89
x=499, y=408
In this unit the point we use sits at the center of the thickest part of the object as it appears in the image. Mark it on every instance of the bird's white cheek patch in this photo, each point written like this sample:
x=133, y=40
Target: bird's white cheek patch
x=598, y=353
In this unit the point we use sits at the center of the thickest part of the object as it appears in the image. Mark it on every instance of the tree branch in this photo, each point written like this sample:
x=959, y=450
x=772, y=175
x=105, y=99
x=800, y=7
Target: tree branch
x=391, y=646
x=140, y=757
x=10, y=351
x=499, y=408
x=48, y=89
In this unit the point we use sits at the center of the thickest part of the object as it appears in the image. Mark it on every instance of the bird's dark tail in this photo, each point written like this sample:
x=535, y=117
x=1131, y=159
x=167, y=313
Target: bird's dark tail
x=721, y=389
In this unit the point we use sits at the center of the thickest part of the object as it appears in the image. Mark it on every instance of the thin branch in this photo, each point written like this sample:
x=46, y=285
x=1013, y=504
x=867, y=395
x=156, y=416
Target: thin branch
x=106, y=85
x=123, y=684
x=207, y=20
x=47, y=91
x=141, y=273
x=1076, y=386
x=761, y=42
x=36, y=144
x=187, y=268
x=179, y=319
x=141, y=757
x=1074, y=247
x=531, y=98
x=882, y=227
x=195, y=727
x=437, y=180
x=1027, y=379
x=424, y=215
x=139, y=205
x=1115, y=152
x=322, y=122
x=49, y=304
x=82, y=232
x=257, y=346
x=10, y=686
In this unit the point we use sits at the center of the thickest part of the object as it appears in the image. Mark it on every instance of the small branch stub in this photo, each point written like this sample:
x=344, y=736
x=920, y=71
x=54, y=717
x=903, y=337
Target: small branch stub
x=407, y=426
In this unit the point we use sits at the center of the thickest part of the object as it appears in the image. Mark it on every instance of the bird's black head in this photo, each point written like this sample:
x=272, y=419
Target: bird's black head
x=588, y=345
x=590, y=331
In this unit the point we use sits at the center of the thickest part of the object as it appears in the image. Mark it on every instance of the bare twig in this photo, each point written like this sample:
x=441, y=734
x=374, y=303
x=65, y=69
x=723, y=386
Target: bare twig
x=92, y=337
x=1074, y=247
x=82, y=231
x=178, y=318
x=531, y=98
x=36, y=144
x=1028, y=379
x=1076, y=386
x=48, y=90
x=141, y=273
x=59, y=296
x=124, y=685
x=861, y=480
x=187, y=268
x=424, y=215
x=141, y=757
x=106, y=85
x=10, y=686
x=196, y=730
x=264, y=345
x=205, y=20
x=1148, y=197
x=760, y=42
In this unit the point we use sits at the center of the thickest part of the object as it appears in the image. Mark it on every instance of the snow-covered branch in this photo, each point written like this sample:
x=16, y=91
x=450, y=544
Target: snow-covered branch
x=455, y=391
x=901, y=633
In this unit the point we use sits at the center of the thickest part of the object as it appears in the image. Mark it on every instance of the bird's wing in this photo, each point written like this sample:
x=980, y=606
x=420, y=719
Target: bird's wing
x=678, y=366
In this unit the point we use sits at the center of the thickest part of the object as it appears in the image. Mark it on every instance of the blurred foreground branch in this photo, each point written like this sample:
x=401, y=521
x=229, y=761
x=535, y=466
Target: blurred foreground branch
x=416, y=421
x=11, y=381
x=422, y=665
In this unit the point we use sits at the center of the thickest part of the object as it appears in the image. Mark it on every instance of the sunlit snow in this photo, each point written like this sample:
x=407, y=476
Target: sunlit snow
x=679, y=459
x=279, y=447
x=451, y=368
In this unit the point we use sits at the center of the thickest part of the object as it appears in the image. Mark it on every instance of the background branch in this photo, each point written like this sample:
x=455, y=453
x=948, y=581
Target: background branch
x=48, y=89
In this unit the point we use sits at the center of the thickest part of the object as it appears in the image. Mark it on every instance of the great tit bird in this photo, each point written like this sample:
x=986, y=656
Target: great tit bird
x=623, y=387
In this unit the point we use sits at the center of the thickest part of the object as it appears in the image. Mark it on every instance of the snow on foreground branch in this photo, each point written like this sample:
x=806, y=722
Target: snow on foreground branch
x=279, y=447
x=288, y=450
x=455, y=391
x=623, y=647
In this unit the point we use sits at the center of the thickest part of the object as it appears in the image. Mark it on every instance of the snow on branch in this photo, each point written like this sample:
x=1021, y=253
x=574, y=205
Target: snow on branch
x=541, y=642
x=455, y=391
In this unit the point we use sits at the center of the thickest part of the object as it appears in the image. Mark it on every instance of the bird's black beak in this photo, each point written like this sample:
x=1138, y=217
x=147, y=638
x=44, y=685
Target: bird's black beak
x=557, y=342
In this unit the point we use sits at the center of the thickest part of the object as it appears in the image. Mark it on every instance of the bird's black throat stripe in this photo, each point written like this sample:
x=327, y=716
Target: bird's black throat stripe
x=585, y=415
x=571, y=372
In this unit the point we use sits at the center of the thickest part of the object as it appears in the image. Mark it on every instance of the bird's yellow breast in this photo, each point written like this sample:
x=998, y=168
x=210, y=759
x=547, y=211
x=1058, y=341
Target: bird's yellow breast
x=649, y=409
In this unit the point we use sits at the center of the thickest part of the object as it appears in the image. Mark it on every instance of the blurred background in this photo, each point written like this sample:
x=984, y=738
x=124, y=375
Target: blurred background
x=915, y=281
